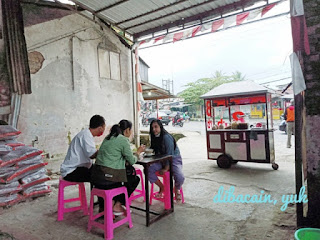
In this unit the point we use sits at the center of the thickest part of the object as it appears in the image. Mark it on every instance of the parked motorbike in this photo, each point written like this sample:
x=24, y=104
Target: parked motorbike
x=145, y=122
x=178, y=122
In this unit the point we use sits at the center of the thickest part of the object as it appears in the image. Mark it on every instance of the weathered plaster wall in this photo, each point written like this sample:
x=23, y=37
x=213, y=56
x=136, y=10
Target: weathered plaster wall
x=312, y=77
x=67, y=90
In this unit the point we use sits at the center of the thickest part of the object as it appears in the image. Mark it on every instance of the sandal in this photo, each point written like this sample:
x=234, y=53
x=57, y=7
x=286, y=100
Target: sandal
x=159, y=195
x=118, y=213
x=178, y=197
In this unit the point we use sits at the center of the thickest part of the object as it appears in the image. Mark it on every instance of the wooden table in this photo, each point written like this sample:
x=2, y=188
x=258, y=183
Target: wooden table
x=146, y=162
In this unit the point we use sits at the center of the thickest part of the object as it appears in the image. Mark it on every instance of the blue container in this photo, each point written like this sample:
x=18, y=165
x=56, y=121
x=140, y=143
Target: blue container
x=307, y=234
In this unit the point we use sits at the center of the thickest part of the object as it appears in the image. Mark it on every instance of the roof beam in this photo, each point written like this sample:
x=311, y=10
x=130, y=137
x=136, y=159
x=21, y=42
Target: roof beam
x=110, y=6
x=46, y=4
x=200, y=16
x=151, y=12
x=98, y=15
x=170, y=14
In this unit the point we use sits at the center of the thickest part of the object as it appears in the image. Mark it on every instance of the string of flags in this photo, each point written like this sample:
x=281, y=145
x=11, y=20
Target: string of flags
x=214, y=26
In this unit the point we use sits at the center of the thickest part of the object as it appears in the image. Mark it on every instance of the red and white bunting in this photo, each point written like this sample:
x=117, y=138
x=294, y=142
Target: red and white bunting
x=177, y=36
x=216, y=25
x=241, y=17
x=159, y=38
x=206, y=26
x=267, y=9
x=196, y=30
x=138, y=79
x=225, y=23
x=253, y=14
x=228, y=21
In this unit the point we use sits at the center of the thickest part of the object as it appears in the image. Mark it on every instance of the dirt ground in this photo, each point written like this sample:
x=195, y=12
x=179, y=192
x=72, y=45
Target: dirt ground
x=198, y=218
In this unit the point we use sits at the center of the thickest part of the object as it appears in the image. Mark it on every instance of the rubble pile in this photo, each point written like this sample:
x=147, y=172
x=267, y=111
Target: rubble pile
x=22, y=170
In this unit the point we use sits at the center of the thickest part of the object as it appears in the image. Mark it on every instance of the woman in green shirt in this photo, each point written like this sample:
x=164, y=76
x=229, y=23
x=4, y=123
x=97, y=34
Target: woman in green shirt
x=109, y=170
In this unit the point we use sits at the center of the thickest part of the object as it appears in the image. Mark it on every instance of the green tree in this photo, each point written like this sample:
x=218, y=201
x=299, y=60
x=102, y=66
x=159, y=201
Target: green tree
x=238, y=76
x=195, y=89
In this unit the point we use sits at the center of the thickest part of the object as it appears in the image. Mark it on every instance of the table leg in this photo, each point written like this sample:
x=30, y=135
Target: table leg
x=146, y=185
x=171, y=186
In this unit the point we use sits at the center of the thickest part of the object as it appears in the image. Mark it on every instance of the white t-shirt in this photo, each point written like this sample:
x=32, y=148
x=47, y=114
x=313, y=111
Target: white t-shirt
x=80, y=150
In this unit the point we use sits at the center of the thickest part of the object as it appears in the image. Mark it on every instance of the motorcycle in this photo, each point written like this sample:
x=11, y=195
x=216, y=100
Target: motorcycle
x=145, y=122
x=178, y=122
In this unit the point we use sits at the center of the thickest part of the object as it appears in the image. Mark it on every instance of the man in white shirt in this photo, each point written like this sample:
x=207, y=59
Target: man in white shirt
x=77, y=164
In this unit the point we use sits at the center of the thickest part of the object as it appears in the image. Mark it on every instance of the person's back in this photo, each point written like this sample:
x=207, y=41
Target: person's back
x=112, y=153
x=77, y=153
x=77, y=164
x=109, y=170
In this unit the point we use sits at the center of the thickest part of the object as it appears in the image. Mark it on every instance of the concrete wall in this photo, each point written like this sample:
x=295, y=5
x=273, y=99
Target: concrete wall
x=312, y=98
x=67, y=90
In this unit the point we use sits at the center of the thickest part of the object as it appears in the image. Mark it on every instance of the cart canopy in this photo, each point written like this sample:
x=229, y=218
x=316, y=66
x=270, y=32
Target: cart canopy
x=236, y=89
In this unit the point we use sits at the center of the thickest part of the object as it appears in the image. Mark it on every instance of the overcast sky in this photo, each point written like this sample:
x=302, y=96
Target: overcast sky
x=260, y=51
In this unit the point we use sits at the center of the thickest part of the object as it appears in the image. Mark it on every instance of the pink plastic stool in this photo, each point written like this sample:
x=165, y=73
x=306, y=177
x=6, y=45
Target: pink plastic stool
x=166, y=198
x=140, y=193
x=61, y=201
x=108, y=225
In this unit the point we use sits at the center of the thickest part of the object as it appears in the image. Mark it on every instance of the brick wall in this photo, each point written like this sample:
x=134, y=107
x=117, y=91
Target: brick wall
x=312, y=101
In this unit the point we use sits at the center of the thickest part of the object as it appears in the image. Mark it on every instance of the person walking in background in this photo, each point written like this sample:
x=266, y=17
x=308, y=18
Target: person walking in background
x=77, y=164
x=163, y=143
x=289, y=117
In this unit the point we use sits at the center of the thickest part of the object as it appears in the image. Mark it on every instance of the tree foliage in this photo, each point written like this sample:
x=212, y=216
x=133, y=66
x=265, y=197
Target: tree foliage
x=195, y=89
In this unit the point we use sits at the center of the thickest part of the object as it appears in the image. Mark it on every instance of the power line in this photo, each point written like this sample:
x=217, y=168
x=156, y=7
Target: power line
x=269, y=75
x=276, y=80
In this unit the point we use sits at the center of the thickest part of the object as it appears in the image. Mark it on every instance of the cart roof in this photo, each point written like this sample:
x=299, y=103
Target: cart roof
x=236, y=89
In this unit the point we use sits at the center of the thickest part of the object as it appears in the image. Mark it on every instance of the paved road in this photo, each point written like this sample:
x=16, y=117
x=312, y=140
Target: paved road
x=195, y=126
x=282, y=153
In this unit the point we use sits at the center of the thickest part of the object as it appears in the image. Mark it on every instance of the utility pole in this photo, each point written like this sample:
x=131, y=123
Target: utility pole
x=168, y=85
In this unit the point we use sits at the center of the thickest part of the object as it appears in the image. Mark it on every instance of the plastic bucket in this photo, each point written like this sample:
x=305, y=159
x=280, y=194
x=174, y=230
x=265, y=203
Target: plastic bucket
x=307, y=234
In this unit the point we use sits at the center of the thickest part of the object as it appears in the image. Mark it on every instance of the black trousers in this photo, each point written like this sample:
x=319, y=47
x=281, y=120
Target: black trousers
x=131, y=185
x=81, y=174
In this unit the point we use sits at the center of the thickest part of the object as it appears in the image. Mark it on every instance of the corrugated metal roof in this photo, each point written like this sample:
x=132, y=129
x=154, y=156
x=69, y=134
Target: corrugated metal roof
x=236, y=89
x=142, y=17
x=155, y=92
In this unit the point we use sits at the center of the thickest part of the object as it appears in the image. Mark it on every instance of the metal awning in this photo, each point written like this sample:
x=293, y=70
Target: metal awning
x=142, y=18
x=236, y=89
x=153, y=92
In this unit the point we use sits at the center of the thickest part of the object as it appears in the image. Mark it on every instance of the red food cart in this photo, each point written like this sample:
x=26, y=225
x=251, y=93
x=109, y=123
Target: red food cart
x=239, y=125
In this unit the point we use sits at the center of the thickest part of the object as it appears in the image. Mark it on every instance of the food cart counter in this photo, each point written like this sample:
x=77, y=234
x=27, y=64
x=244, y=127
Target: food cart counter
x=233, y=133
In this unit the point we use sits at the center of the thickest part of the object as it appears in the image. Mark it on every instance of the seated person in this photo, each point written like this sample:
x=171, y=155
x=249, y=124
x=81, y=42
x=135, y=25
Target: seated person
x=78, y=161
x=163, y=143
x=109, y=170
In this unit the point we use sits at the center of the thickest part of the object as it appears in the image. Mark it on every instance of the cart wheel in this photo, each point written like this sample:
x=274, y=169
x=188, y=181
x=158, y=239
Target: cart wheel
x=234, y=162
x=275, y=166
x=224, y=161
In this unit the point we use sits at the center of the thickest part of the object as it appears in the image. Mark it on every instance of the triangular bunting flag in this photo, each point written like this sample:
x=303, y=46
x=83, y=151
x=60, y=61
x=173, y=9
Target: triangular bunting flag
x=196, y=30
x=241, y=17
x=206, y=26
x=229, y=21
x=167, y=37
x=267, y=9
x=187, y=33
x=253, y=14
x=216, y=25
x=177, y=36
x=159, y=38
